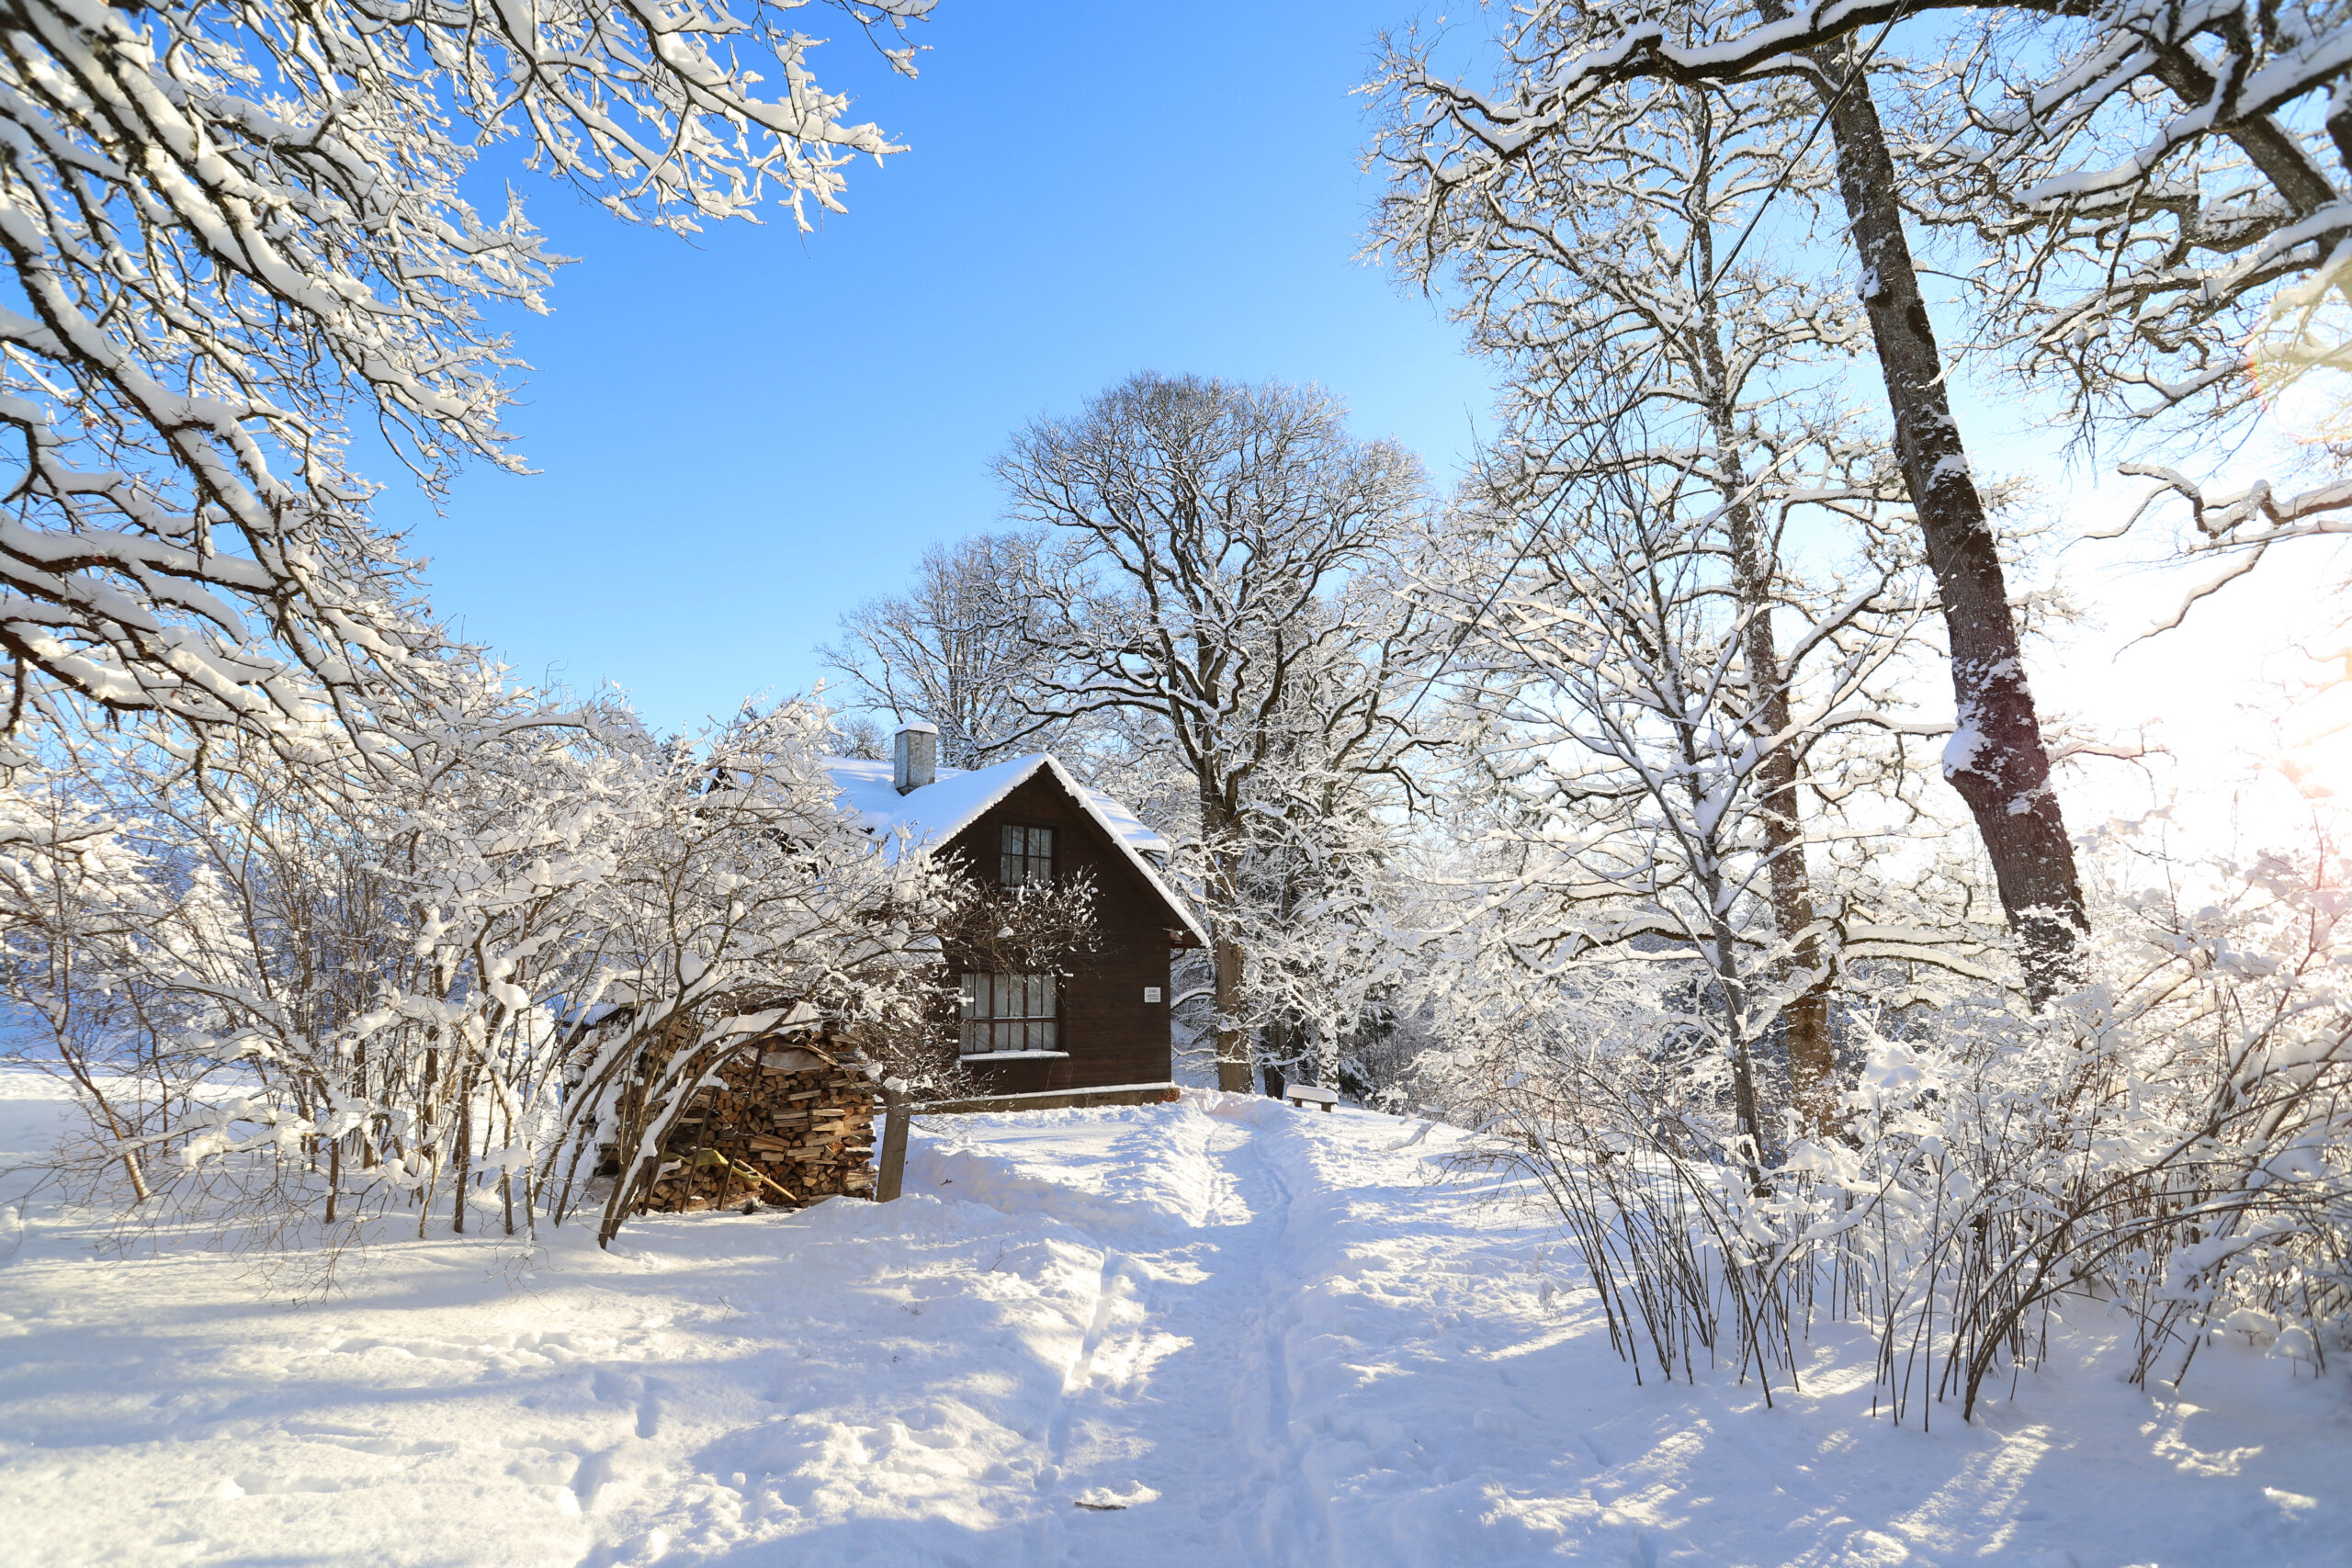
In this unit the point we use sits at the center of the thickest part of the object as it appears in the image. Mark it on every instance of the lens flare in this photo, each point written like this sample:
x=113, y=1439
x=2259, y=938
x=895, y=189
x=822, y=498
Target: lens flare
x=2301, y=359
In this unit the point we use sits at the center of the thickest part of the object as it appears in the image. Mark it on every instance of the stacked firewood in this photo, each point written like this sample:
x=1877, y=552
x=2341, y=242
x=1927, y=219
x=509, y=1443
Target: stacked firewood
x=792, y=1124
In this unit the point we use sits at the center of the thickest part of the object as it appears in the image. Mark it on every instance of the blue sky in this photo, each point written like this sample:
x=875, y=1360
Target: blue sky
x=740, y=436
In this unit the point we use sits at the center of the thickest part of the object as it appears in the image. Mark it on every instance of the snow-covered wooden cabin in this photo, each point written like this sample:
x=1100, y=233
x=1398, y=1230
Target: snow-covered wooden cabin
x=1105, y=1027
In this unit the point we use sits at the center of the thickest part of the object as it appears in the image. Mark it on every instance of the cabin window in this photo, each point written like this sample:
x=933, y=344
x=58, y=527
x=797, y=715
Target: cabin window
x=1028, y=856
x=1010, y=1012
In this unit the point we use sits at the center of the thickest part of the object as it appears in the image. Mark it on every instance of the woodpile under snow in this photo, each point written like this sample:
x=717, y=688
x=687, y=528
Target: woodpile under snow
x=791, y=1124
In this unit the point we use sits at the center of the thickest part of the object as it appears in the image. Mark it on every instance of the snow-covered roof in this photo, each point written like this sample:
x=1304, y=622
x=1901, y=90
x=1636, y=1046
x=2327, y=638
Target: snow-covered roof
x=1125, y=825
x=936, y=812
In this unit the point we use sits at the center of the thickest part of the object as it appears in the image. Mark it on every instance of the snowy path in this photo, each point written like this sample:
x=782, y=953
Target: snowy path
x=1272, y=1333
x=1222, y=1293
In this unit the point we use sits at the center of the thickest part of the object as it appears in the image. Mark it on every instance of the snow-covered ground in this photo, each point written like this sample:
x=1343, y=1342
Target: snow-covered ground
x=1275, y=1337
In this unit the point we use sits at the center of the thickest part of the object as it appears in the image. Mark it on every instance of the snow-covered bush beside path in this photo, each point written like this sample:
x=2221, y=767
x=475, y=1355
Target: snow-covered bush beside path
x=1276, y=1336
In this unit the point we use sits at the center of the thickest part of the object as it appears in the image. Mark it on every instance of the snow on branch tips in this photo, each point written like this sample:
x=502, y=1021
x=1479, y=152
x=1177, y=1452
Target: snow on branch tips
x=299, y=1014
x=1599, y=204
x=2173, y=1149
x=232, y=227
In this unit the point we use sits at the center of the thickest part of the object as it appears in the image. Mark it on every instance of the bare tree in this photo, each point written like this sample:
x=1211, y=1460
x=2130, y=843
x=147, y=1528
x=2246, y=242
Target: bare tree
x=1562, y=59
x=953, y=649
x=1641, y=815
x=2162, y=179
x=1221, y=547
x=1316, y=884
x=2161, y=193
x=1573, y=264
x=855, y=735
x=2165, y=191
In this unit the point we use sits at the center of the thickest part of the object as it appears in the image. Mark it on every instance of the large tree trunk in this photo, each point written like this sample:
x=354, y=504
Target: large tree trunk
x=1232, y=1045
x=1996, y=759
x=1221, y=829
x=1804, y=1018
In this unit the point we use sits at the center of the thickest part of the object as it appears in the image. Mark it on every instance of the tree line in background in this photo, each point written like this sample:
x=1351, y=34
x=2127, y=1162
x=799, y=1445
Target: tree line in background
x=1600, y=805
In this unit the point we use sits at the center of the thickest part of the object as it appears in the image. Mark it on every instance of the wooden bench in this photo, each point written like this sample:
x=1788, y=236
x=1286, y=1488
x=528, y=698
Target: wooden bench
x=1305, y=1094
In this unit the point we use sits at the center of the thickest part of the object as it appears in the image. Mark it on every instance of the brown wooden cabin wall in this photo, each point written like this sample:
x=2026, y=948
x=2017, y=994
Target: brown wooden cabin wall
x=1111, y=1035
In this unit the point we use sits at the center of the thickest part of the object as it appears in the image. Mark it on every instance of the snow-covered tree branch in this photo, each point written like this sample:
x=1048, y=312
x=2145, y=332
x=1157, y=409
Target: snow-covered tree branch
x=1573, y=78
x=303, y=1005
x=235, y=230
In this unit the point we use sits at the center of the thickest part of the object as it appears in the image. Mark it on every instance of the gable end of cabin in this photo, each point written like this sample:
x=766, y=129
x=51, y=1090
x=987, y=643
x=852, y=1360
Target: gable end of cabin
x=1107, y=1023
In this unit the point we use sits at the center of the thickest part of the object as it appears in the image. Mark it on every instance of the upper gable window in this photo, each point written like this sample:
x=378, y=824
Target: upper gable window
x=1028, y=856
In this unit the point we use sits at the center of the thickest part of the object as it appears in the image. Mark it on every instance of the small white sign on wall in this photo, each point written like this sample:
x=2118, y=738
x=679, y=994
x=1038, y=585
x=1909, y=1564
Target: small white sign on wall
x=1151, y=993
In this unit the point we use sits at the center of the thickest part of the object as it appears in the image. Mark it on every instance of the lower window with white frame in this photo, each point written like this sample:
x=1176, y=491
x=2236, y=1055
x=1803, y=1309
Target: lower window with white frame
x=1010, y=1012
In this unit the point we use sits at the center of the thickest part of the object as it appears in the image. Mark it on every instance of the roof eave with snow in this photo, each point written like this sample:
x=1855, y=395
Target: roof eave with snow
x=933, y=813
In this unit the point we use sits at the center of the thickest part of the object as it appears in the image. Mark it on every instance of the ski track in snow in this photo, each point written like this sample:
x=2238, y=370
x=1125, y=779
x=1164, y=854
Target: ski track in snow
x=1274, y=1334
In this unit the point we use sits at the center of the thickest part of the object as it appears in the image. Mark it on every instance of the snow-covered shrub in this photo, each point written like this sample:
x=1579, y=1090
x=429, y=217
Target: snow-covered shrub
x=299, y=1005
x=2176, y=1142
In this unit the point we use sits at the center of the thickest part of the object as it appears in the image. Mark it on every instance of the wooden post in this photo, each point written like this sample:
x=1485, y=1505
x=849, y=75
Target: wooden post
x=894, y=1146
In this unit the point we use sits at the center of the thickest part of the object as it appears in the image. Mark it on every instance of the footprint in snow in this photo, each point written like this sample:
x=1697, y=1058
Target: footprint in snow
x=1102, y=1500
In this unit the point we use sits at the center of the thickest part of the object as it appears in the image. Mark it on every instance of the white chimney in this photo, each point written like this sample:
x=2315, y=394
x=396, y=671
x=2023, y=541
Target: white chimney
x=914, y=756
